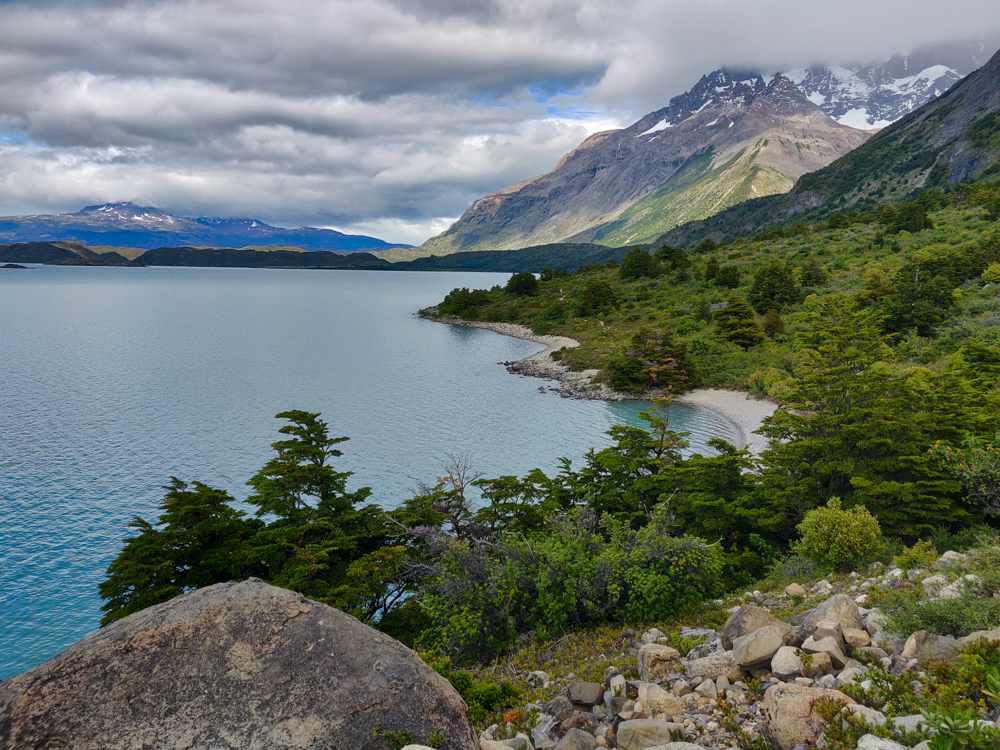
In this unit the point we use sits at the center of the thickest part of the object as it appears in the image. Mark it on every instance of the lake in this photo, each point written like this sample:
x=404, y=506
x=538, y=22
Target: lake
x=112, y=380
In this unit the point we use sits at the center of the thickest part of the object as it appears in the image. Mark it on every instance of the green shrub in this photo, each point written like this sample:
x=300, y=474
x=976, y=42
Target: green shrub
x=992, y=273
x=909, y=609
x=522, y=284
x=637, y=264
x=839, y=538
x=483, y=697
x=579, y=572
x=920, y=555
x=596, y=297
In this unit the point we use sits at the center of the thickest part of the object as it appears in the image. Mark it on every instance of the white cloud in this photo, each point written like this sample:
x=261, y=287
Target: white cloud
x=385, y=114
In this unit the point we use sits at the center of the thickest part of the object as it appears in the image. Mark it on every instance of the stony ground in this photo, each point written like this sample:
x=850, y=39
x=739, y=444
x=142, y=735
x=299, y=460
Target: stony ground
x=752, y=682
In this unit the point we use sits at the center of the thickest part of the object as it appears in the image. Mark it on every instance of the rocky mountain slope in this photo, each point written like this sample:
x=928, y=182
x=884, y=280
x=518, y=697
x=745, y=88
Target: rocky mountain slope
x=130, y=225
x=954, y=138
x=733, y=136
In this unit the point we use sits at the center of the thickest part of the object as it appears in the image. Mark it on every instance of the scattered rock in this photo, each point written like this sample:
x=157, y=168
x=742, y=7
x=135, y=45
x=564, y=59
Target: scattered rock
x=576, y=739
x=840, y=607
x=538, y=679
x=746, y=620
x=933, y=584
x=640, y=734
x=794, y=589
x=618, y=686
x=657, y=662
x=856, y=638
x=234, y=665
x=708, y=689
x=560, y=708
x=789, y=714
x=756, y=649
x=652, y=636
x=715, y=666
x=786, y=664
x=925, y=647
x=655, y=701
x=586, y=693
x=954, y=590
x=951, y=559
x=828, y=646
x=871, y=742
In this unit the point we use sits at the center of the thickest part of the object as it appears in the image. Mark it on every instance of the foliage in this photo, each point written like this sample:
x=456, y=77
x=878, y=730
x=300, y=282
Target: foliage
x=992, y=273
x=844, y=728
x=585, y=570
x=461, y=303
x=910, y=609
x=773, y=288
x=837, y=537
x=921, y=555
x=655, y=360
x=522, y=284
x=481, y=696
x=597, y=297
x=736, y=323
x=314, y=540
x=977, y=466
x=637, y=264
x=959, y=728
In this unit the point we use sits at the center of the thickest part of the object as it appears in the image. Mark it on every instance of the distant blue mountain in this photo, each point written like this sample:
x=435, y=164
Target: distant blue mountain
x=130, y=225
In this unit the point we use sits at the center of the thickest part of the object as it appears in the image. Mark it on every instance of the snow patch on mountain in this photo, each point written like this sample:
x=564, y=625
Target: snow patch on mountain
x=657, y=128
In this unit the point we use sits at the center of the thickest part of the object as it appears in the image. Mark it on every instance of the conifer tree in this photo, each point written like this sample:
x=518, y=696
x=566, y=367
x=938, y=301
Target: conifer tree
x=736, y=323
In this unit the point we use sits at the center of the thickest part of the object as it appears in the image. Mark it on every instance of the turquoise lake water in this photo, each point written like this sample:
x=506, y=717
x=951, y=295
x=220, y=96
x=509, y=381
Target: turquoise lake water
x=112, y=380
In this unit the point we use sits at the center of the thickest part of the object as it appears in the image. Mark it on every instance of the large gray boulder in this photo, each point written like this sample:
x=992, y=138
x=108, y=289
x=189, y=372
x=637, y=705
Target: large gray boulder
x=235, y=665
x=746, y=620
x=790, y=715
x=841, y=608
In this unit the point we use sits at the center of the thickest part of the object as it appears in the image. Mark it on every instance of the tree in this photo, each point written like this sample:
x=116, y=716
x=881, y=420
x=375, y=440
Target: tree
x=728, y=276
x=857, y=425
x=773, y=324
x=654, y=360
x=677, y=258
x=596, y=297
x=773, y=288
x=711, y=268
x=637, y=264
x=736, y=323
x=522, y=285
x=813, y=273
x=194, y=543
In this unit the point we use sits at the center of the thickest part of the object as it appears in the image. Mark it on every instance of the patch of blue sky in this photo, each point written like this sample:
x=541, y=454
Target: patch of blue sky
x=16, y=136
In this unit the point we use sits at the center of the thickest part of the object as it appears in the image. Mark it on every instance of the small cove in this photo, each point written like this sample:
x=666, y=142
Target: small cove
x=112, y=380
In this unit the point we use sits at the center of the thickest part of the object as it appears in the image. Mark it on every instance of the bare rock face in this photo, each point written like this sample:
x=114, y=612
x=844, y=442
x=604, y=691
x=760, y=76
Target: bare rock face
x=657, y=662
x=235, y=665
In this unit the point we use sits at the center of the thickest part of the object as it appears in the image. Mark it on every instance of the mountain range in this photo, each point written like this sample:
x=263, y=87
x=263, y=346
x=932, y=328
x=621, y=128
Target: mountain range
x=735, y=136
x=126, y=224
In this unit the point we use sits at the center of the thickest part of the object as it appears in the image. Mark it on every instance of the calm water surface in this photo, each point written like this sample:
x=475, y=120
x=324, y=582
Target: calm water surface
x=112, y=380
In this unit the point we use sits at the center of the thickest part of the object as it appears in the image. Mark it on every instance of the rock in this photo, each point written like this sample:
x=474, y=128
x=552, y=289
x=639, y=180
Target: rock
x=681, y=688
x=538, y=679
x=819, y=665
x=951, y=559
x=657, y=662
x=579, y=720
x=850, y=674
x=872, y=717
x=871, y=742
x=756, y=649
x=640, y=734
x=746, y=620
x=827, y=646
x=576, y=739
x=618, y=685
x=908, y=723
x=655, y=701
x=651, y=636
x=822, y=587
x=933, y=584
x=841, y=608
x=856, y=638
x=794, y=589
x=986, y=635
x=829, y=628
x=586, y=693
x=925, y=647
x=875, y=622
x=678, y=746
x=560, y=708
x=234, y=665
x=715, y=666
x=708, y=689
x=954, y=589
x=786, y=664
x=789, y=714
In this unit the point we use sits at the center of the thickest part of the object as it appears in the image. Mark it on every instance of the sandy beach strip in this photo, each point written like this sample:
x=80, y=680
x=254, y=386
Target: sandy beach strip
x=744, y=413
x=551, y=343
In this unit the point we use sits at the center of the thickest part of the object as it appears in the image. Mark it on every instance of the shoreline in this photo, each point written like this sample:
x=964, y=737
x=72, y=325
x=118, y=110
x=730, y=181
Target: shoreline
x=736, y=407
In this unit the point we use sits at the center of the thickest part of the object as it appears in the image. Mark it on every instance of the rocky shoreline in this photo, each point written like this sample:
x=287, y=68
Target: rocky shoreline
x=745, y=414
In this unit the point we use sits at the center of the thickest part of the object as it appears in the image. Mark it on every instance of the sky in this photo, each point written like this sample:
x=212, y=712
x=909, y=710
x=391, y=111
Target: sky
x=379, y=117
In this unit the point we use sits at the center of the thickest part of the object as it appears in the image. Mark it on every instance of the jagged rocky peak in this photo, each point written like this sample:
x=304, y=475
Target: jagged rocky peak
x=722, y=86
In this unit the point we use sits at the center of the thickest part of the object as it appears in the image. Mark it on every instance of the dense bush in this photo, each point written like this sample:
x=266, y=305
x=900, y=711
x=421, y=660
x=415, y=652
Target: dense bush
x=522, y=284
x=597, y=296
x=461, y=303
x=583, y=571
x=838, y=538
x=992, y=274
x=654, y=360
x=637, y=264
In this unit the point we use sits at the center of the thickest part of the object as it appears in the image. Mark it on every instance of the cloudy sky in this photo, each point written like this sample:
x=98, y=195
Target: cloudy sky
x=383, y=117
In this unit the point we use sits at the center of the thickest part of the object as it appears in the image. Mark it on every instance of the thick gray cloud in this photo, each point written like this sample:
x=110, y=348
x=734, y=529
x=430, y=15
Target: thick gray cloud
x=383, y=116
